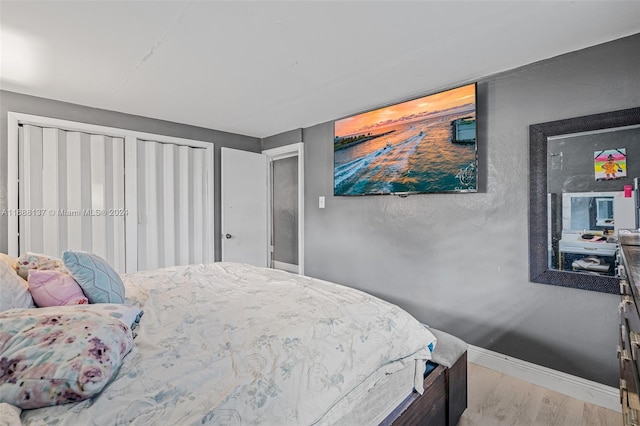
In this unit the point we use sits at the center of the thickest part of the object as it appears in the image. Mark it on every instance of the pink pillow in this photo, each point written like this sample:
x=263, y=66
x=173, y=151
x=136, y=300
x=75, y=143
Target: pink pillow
x=54, y=288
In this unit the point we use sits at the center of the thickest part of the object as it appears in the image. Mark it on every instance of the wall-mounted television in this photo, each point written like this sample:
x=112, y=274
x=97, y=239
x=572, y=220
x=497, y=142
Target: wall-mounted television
x=425, y=145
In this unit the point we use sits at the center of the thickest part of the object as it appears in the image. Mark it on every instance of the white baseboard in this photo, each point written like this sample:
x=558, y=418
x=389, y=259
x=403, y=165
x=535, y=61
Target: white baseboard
x=289, y=267
x=575, y=387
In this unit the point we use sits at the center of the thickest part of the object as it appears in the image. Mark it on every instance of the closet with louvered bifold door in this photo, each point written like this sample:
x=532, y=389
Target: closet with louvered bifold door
x=140, y=201
x=71, y=193
x=172, y=204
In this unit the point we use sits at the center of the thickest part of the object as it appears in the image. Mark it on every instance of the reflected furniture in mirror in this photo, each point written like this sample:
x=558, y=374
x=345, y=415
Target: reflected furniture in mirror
x=575, y=213
x=588, y=239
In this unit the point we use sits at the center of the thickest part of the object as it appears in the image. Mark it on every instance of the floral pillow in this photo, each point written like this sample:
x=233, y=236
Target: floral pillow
x=55, y=288
x=58, y=355
x=29, y=260
x=14, y=292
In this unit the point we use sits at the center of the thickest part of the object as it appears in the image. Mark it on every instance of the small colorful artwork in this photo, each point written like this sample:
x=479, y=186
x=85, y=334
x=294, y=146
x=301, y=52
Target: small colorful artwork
x=610, y=164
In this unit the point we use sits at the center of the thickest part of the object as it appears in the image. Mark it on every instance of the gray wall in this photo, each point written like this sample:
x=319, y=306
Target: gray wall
x=284, y=220
x=15, y=102
x=459, y=262
x=282, y=139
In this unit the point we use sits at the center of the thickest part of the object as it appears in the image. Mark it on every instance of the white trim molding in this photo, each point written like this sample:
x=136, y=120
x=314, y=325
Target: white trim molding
x=292, y=150
x=567, y=384
x=289, y=267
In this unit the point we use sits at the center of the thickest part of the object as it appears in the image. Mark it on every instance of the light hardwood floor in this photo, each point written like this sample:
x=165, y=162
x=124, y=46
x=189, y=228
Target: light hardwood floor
x=498, y=399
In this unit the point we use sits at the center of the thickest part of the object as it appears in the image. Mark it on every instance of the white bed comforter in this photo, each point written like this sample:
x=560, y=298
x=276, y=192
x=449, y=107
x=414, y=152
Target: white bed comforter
x=227, y=343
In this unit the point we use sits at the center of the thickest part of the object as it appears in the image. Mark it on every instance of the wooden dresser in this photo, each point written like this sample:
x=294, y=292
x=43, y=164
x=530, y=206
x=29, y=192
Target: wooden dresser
x=629, y=346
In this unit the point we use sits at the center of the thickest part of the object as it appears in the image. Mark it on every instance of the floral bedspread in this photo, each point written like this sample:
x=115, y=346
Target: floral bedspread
x=227, y=343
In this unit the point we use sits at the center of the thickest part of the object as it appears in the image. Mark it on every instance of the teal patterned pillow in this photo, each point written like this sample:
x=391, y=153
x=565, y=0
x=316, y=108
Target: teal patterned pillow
x=99, y=282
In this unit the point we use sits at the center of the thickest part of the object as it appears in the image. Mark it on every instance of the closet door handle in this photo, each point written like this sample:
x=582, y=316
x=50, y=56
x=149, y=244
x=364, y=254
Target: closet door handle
x=228, y=236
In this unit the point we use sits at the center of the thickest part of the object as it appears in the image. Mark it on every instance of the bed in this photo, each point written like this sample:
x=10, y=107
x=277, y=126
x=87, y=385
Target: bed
x=228, y=343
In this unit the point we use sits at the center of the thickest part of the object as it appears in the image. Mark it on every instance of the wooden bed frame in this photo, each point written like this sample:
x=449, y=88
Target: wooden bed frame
x=442, y=403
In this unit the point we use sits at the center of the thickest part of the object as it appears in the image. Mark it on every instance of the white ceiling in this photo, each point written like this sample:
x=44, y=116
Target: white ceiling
x=261, y=68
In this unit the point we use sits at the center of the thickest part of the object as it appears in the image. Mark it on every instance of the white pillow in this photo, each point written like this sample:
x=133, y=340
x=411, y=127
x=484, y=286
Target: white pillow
x=11, y=261
x=14, y=291
x=130, y=315
x=10, y=415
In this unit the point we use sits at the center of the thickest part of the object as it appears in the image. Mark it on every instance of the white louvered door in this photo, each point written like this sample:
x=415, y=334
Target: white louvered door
x=136, y=201
x=71, y=193
x=173, y=200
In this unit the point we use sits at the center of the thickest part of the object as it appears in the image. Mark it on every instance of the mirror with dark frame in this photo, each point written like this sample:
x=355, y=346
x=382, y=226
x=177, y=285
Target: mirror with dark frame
x=577, y=204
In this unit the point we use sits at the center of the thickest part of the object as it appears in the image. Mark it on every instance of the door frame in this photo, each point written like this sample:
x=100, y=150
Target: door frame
x=14, y=119
x=292, y=150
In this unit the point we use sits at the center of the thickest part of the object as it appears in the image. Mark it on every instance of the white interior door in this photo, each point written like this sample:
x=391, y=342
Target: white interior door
x=244, y=207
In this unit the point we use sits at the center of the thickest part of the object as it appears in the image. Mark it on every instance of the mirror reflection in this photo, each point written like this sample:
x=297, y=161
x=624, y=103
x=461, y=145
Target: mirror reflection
x=588, y=241
x=587, y=204
x=588, y=211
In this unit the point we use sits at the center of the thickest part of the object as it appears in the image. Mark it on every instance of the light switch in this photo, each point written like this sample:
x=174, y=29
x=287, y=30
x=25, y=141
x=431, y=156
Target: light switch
x=321, y=202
